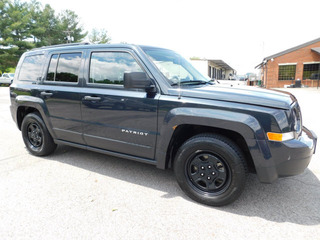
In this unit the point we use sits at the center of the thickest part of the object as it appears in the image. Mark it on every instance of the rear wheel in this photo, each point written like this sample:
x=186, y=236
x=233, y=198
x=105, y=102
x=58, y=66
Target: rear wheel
x=36, y=135
x=211, y=169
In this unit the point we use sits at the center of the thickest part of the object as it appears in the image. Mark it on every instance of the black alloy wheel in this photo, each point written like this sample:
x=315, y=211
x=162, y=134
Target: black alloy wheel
x=36, y=136
x=211, y=169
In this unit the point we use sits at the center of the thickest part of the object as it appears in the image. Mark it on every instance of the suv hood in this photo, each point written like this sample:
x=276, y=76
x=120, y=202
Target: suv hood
x=238, y=94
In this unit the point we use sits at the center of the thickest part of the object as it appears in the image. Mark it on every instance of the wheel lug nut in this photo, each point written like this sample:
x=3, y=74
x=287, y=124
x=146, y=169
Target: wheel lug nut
x=202, y=174
x=209, y=178
x=202, y=167
x=209, y=166
x=213, y=173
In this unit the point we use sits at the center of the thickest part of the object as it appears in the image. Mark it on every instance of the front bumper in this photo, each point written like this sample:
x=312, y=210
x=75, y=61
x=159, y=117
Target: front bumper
x=288, y=158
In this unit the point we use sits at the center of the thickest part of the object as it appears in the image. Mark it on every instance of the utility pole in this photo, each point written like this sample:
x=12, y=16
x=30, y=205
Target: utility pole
x=69, y=38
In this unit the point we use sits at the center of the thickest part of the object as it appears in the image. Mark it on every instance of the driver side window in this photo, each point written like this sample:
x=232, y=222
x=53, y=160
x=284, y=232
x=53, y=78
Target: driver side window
x=109, y=67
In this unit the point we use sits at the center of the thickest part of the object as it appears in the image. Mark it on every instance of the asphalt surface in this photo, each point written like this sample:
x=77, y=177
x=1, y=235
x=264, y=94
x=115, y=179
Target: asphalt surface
x=77, y=194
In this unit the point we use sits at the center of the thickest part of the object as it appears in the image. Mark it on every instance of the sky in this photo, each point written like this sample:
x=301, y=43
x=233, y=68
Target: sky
x=239, y=32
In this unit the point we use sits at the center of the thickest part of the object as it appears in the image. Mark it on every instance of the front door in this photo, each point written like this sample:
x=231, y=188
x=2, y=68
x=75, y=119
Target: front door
x=114, y=118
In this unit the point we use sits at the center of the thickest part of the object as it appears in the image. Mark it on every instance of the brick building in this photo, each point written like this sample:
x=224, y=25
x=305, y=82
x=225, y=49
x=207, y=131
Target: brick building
x=300, y=62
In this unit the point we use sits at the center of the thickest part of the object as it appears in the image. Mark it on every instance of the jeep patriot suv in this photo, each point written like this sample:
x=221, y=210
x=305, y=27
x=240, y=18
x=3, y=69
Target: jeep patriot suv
x=150, y=105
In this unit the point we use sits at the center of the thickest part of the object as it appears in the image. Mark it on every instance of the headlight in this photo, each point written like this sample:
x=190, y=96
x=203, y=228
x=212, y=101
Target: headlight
x=280, y=137
x=295, y=126
x=297, y=119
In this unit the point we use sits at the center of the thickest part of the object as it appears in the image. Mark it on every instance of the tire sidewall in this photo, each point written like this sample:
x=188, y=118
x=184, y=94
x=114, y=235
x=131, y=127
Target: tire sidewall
x=231, y=156
x=46, y=137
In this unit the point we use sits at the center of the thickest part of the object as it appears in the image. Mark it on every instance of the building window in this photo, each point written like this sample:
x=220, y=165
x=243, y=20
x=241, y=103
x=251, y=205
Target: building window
x=214, y=73
x=287, y=72
x=311, y=71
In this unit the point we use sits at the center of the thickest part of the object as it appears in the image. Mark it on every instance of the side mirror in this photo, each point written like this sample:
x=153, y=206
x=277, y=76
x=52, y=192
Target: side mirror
x=138, y=80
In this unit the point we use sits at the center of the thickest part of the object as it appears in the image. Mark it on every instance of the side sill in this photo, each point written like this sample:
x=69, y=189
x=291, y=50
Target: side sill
x=115, y=154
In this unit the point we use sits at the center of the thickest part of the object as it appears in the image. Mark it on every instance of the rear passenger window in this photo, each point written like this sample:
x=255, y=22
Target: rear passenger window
x=109, y=67
x=64, y=67
x=52, y=68
x=31, y=68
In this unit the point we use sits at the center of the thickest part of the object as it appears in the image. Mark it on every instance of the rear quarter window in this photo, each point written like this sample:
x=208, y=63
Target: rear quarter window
x=31, y=68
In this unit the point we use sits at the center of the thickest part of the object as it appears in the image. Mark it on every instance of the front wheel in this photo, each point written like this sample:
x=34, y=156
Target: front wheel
x=36, y=135
x=211, y=169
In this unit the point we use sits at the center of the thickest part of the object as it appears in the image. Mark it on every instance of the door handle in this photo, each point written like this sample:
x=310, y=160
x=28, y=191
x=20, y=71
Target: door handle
x=46, y=93
x=91, y=98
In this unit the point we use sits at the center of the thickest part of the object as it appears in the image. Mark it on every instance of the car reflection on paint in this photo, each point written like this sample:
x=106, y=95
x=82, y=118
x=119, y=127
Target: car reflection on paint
x=118, y=104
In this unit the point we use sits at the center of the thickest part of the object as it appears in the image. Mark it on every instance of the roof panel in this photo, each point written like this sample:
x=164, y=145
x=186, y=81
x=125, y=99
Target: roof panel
x=220, y=63
x=292, y=49
x=317, y=50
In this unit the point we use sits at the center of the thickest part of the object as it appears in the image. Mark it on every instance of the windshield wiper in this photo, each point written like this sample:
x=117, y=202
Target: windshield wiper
x=191, y=82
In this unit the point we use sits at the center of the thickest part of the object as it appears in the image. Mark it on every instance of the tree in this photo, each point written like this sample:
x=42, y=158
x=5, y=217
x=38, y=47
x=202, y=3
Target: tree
x=50, y=29
x=99, y=36
x=15, y=26
x=45, y=27
x=24, y=26
x=69, y=23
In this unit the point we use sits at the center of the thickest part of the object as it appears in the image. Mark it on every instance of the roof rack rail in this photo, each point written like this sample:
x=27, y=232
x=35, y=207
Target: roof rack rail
x=62, y=45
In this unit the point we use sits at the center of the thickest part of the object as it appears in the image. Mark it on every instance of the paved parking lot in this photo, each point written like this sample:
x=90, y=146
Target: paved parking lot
x=77, y=194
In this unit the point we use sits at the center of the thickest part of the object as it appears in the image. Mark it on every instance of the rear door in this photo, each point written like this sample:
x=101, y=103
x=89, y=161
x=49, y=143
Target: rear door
x=115, y=118
x=60, y=91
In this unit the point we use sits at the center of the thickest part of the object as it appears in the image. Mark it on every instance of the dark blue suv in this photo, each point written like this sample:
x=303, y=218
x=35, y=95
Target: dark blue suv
x=150, y=105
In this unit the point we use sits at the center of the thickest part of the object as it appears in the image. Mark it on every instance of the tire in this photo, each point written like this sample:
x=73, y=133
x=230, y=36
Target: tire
x=210, y=169
x=36, y=136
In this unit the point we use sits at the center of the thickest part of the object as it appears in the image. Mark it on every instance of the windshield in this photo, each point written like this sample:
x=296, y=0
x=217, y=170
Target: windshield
x=175, y=68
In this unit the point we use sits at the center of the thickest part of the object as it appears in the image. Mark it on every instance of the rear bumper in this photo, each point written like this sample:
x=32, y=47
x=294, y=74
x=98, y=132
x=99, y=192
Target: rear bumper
x=288, y=158
x=13, y=111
